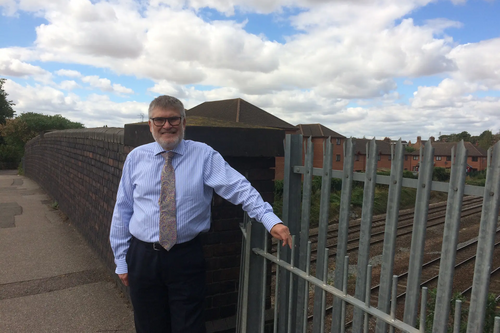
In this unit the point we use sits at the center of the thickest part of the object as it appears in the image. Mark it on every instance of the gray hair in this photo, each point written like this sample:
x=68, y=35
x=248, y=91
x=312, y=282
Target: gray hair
x=165, y=103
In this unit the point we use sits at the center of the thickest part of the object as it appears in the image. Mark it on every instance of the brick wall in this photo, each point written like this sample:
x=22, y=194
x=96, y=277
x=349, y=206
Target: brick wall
x=81, y=170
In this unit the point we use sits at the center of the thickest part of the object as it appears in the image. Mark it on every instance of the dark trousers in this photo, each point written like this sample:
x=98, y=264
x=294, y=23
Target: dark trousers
x=167, y=288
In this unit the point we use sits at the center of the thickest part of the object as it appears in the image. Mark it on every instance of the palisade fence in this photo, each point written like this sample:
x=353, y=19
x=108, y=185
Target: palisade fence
x=293, y=278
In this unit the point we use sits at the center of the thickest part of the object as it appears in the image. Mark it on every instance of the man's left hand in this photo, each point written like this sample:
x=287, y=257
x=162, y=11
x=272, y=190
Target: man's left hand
x=281, y=232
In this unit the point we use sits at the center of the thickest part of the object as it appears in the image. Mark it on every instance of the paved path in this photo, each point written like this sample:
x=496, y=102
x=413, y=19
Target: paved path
x=50, y=280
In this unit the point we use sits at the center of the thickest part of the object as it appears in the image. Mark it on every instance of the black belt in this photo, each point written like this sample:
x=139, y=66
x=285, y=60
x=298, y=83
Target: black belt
x=157, y=246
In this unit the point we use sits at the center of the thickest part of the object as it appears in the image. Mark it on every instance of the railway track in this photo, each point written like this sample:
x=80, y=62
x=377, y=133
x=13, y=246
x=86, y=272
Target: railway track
x=430, y=270
x=430, y=275
x=436, y=217
x=465, y=259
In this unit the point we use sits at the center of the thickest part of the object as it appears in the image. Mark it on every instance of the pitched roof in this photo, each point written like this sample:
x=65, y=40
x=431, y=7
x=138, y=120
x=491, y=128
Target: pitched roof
x=444, y=149
x=318, y=131
x=238, y=110
x=383, y=146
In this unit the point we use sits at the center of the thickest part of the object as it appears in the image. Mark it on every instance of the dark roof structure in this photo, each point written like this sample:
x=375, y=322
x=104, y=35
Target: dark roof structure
x=444, y=149
x=383, y=146
x=318, y=131
x=240, y=111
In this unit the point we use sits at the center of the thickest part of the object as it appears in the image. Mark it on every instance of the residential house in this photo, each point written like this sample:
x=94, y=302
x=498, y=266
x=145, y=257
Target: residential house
x=319, y=134
x=383, y=154
x=476, y=156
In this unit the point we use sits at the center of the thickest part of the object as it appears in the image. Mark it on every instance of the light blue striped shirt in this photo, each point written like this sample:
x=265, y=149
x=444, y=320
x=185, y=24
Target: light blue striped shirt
x=199, y=170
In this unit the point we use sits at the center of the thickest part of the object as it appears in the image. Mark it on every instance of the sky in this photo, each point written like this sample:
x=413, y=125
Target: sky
x=363, y=68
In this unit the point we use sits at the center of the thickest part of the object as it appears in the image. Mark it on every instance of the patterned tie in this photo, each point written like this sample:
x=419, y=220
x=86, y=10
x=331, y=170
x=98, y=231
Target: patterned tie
x=168, y=223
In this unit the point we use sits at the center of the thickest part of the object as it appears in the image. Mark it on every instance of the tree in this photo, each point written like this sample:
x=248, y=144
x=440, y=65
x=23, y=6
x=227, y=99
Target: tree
x=486, y=140
x=16, y=132
x=6, y=110
x=409, y=149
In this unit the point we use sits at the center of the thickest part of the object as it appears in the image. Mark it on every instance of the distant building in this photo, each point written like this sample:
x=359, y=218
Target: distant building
x=240, y=111
x=383, y=154
x=476, y=156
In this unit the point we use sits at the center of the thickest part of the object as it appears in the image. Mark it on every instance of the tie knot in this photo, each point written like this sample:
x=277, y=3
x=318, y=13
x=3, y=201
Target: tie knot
x=167, y=155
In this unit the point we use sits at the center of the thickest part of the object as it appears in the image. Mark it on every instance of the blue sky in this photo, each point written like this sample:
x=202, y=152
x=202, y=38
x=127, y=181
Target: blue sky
x=397, y=68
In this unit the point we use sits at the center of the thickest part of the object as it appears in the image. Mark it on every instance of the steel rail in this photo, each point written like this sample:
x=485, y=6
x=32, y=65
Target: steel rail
x=464, y=246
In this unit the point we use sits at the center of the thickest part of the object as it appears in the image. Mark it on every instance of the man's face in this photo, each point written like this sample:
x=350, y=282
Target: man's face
x=167, y=136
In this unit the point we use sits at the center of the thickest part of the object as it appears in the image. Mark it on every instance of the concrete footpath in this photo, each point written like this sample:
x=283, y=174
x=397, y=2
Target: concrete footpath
x=50, y=280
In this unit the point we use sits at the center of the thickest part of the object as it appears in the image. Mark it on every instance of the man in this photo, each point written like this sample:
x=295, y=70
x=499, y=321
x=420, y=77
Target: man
x=162, y=205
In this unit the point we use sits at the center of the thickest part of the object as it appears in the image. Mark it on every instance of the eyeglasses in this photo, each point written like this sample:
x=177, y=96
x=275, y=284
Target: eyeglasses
x=160, y=121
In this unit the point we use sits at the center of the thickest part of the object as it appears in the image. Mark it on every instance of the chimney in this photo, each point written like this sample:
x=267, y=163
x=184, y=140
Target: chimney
x=433, y=139
x=419, y=138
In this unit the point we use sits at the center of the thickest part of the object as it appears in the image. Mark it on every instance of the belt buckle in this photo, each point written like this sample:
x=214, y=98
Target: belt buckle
x=157, y=248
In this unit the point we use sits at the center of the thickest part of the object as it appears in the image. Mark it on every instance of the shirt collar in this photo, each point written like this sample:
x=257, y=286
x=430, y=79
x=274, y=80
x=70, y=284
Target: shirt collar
x=180, y=149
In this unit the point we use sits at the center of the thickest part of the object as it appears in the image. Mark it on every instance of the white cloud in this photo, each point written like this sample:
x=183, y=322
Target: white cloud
x=119, y=89
x=9, y=7
x=38, y=98
x=91, y=29
x=478, y=63
x=336, y=56
x=94, y=111
x=68, y=73
x=69, y=85
x=17, y=68
x=105, y=85
x=168, y=88
x=340, y=69
x=441, y=24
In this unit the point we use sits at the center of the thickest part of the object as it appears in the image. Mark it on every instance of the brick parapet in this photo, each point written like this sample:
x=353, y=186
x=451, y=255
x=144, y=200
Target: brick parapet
x=81, y=170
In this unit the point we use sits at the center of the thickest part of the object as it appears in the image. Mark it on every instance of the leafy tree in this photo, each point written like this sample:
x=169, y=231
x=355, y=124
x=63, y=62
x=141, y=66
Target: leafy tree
x=456, y=137
x=6, y=110
x=463, y=136
x=486, y=140
x=409, y=149
x=16, y=132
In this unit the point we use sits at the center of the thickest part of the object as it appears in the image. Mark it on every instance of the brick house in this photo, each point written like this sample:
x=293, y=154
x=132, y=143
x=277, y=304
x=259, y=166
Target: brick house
x=383, y=153
x=476, y=156
x=318, y=134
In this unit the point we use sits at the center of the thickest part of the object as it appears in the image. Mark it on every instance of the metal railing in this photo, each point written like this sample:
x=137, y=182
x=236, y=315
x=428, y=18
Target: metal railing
x=293, y=278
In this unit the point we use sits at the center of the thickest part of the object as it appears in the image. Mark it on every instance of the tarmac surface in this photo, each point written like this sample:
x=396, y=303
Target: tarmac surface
x=50, y=279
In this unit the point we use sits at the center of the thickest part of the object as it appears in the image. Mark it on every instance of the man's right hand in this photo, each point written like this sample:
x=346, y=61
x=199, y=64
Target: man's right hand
x=124, y=278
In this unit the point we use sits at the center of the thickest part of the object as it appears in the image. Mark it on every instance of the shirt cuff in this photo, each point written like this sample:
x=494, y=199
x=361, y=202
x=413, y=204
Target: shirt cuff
x=269, y=220
x=121, y=266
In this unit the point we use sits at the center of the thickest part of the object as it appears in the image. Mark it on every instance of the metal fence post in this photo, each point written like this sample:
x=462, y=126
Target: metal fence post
x=303, y=237
x=256, y=278
x=486, y=239
x=242, y=311
x=391, y=225
x=291, y=217
x=324, y=208
x=343, y=230
x=365, y=232
x=418, y=235
x=450, y=239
